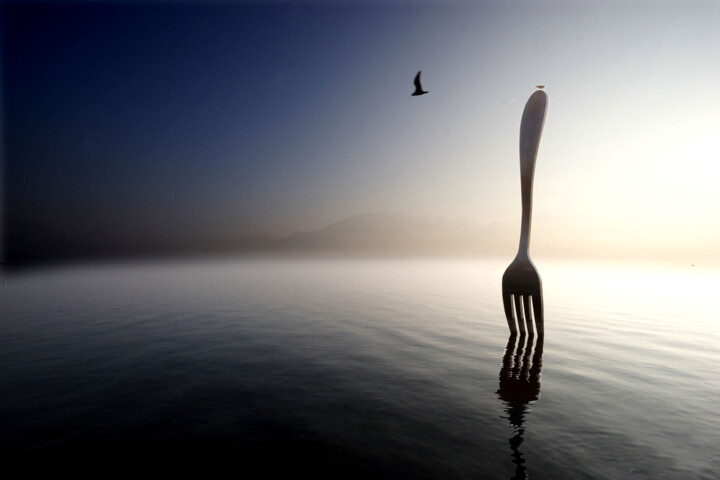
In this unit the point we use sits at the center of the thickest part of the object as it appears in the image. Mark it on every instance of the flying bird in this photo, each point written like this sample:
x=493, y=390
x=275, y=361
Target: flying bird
x=418, y=87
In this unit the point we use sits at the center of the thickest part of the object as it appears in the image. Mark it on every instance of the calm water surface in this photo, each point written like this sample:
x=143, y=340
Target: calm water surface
x=366, y=368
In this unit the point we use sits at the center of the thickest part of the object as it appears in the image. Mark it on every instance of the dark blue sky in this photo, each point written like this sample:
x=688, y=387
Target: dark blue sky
x=179, y=122
x=184, y=125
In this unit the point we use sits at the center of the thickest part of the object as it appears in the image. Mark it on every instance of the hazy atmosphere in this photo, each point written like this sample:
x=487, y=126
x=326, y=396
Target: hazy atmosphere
x=163, y=127
x=236, y=238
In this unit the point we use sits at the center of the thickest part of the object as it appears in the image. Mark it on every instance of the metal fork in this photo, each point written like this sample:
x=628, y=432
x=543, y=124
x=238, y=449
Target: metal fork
x=521, y=283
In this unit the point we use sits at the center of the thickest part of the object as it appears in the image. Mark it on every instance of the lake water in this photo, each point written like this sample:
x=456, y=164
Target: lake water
x=365, y=368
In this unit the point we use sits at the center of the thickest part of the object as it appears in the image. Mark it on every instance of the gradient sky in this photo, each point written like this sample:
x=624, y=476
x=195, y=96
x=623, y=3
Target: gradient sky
x=183, y=122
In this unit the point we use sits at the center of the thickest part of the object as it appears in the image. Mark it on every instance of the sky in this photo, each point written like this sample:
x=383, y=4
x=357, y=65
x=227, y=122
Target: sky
x=169, y=125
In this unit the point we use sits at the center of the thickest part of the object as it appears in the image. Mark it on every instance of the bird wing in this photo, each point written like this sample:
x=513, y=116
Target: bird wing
x=417, y=82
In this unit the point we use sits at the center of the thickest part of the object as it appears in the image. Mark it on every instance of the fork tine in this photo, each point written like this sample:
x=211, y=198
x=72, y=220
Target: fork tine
x=519, y=355
x=528, y=317
x=507, y=303
x=519, y=314
x=538, y=313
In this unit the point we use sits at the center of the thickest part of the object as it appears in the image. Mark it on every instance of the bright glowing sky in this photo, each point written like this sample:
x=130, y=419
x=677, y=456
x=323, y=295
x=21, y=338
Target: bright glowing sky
x=177, y=121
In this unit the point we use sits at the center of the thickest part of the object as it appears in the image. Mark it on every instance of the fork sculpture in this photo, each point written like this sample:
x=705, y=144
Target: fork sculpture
x=521, y=283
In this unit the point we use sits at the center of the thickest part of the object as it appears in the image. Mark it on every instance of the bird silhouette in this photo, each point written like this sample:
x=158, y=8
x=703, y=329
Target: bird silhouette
x=418, y=87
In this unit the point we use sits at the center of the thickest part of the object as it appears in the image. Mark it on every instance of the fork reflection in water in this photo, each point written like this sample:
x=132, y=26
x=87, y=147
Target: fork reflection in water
x=519, y=385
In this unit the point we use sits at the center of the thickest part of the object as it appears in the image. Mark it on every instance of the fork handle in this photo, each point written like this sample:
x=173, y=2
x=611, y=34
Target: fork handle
x=531, y=128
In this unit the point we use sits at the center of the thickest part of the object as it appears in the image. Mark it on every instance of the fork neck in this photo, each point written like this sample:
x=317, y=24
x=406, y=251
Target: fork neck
x=531, y=127
x=526, y=180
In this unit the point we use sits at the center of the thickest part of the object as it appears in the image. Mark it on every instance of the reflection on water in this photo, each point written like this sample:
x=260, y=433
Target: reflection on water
x=379, y=369
x=520, y=385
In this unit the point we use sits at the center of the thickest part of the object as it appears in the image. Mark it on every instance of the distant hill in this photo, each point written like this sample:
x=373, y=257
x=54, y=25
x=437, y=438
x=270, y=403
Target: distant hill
x=399, y=233
x=390, y=233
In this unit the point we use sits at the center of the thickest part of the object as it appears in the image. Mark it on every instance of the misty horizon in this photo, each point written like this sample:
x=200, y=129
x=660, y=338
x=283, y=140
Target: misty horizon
x=381, y=233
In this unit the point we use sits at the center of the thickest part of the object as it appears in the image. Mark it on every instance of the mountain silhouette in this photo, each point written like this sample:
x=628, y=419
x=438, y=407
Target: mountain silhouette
x=400, y=233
